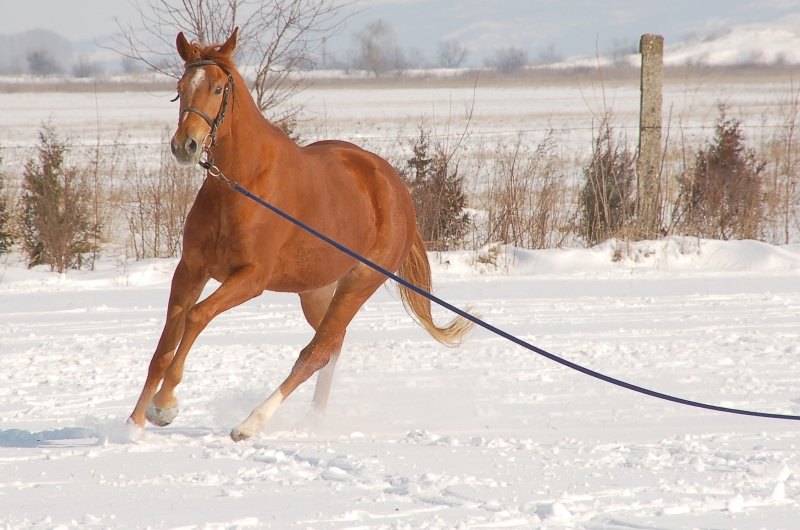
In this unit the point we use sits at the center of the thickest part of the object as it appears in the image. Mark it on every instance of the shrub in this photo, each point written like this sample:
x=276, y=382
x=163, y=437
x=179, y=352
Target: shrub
x=438, y=193
x=56, y=202
x=6, y=237
x=607, y=199
x=720, y=195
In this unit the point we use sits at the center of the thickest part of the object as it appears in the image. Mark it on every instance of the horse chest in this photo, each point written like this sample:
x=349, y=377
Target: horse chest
x=222, y=242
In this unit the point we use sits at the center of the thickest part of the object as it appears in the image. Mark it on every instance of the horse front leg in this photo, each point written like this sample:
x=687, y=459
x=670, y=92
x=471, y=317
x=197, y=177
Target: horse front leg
x=184, y=292
x=244, y=284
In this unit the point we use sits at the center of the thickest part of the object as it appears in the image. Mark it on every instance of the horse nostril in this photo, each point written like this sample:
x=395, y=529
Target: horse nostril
x=191, y=146
x=173, y=147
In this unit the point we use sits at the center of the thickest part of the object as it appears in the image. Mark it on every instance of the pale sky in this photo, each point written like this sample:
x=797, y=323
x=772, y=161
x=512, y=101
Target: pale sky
x=568, y=27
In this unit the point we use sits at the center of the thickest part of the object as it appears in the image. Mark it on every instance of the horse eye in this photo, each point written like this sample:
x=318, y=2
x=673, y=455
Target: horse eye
x=176, y=98
x=218, y=90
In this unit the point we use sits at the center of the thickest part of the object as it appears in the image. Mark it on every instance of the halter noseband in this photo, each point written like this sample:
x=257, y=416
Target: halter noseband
x=211, y=138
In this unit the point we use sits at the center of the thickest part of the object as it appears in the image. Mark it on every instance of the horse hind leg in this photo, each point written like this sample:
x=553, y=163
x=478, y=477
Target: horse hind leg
x=312, y=358
x=315, y=304
x=324, y=383
x=324, y=347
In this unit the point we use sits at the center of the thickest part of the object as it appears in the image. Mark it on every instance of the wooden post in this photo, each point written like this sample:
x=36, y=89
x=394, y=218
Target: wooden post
x=648, y=162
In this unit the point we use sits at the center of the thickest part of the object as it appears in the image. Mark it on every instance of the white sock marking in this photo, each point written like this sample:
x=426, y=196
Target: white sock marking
x=260, y=415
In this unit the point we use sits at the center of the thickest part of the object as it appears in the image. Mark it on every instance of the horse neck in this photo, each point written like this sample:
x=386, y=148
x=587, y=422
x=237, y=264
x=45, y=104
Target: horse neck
x=252, y=141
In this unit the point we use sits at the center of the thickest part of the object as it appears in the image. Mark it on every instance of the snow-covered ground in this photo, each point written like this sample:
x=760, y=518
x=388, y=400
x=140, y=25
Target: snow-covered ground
x=416, y=435
x=131, y=128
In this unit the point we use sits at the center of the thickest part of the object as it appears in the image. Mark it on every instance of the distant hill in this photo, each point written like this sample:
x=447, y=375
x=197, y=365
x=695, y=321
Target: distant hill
x=739, y=45
x=743, y=45
x=43, y=52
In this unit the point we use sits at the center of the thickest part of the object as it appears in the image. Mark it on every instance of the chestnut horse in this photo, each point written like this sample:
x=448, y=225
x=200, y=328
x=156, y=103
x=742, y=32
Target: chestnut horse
x=343, y=191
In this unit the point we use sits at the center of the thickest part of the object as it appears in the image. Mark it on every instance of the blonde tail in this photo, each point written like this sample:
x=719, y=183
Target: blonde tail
x=417, y=270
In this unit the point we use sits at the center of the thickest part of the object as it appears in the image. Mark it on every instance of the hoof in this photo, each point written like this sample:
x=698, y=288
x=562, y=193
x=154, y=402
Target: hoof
x=133, y=424
x=238, y=436
x=161, y=417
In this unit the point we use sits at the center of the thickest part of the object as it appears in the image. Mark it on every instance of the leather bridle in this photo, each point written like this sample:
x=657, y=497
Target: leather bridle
x=211, y=138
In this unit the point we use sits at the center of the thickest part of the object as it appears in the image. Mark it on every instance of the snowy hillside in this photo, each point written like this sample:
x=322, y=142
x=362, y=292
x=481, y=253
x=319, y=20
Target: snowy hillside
x=417, y=435
x=743, y=45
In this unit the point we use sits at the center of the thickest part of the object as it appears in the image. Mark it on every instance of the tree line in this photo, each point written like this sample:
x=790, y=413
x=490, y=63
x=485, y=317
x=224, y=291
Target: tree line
x=279, y=36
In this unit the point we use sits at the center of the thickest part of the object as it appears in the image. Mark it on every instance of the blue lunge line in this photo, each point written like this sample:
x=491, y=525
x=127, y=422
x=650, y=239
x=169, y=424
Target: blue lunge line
x=496, y=330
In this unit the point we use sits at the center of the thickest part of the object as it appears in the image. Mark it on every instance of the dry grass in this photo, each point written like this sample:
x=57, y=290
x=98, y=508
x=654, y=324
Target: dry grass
x=528, y=202
x=155, y=204
x=464, y=78
x=71, y=85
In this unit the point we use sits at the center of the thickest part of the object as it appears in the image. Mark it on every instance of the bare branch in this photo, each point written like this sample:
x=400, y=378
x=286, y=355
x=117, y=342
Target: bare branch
x=278, y=38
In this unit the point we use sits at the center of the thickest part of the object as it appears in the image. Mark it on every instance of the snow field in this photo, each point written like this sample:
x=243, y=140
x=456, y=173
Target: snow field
x=418, y=435
x=134, y=126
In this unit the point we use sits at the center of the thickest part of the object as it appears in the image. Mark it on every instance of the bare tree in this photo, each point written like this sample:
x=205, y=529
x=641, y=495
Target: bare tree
x=621, y=50
x=548, y=55
x=42, y=63
x=377, y=49
x=276, y=37
x=84, y=67
x=508, y=60
x=452, y=54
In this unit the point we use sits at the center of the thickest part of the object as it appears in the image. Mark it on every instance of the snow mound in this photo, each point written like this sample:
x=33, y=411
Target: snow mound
x=621, y=258
x=609, y=259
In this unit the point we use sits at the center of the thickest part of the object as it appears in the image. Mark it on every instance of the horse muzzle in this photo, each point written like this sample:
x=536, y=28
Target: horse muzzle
x=186, y=150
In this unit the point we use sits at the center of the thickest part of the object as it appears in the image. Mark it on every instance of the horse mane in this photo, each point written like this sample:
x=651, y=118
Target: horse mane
x=212, y=52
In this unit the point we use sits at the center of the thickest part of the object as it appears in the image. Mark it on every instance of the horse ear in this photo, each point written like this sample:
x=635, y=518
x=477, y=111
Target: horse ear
x=184, y=48
x=230, y=44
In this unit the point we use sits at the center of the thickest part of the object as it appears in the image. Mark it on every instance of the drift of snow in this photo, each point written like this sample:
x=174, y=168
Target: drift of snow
x=417, y=435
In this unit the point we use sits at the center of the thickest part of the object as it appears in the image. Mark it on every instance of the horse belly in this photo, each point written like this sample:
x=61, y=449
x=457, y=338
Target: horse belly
x=306, y=269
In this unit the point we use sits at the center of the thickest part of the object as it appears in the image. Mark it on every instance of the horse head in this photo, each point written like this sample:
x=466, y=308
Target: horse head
x=204, y=91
